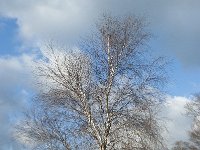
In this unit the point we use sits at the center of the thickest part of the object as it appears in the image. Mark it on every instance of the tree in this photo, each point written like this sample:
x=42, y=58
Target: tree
x=193, y=110
x=180, y=145
x=104, y=97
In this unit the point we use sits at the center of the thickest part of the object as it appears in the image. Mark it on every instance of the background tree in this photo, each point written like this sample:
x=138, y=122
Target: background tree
x=103, y=97
x=193, y=110
x=181, y=145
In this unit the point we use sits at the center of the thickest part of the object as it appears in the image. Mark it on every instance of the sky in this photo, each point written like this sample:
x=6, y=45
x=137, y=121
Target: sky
x=26, y=25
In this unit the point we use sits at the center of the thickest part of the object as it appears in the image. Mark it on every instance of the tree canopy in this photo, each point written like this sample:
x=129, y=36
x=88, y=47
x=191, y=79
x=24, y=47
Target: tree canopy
x=104, y=96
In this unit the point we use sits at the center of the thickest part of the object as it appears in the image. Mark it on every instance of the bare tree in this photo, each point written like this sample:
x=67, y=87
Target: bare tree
x=180, y=145
x=104, y=97
x=193, y=110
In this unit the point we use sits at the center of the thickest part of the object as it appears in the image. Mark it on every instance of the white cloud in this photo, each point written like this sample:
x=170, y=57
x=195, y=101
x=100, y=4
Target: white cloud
x=175, y=22
x=177, y=123
x=48, y=19
x=14, y=76
x=13, y=93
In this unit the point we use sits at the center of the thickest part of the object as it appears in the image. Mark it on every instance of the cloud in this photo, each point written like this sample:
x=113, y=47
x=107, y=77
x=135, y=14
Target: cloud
x=14, y=94
x=46, y=19
x=177, y=123
x=174, y=22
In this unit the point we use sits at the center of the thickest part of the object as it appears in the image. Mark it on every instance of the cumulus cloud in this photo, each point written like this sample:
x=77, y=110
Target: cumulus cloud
x=48, y=19
x=175, y=22
x=14, y=79
x=177, y=123
x=13, y=94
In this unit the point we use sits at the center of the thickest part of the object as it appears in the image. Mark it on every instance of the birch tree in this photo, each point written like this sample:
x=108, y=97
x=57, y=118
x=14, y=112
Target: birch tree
x=104, y=96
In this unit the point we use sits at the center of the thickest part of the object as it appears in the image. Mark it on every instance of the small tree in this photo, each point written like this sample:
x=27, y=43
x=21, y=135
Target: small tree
x=180, y=145
x=193, y=110
x=104, y=97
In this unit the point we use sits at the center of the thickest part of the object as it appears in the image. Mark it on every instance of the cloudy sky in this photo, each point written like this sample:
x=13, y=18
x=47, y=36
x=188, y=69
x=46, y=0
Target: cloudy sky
x=25, y=24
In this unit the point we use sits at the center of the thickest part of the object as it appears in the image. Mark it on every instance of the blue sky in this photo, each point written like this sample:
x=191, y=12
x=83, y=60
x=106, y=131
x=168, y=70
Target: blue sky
x=8, y=36
x=24, y=25
x=183, y=80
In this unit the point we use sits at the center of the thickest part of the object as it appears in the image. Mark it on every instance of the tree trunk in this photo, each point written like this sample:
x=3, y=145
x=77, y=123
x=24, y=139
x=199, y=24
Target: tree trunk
x=103, y=146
